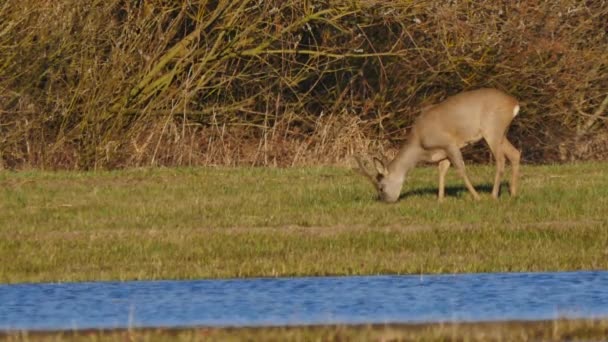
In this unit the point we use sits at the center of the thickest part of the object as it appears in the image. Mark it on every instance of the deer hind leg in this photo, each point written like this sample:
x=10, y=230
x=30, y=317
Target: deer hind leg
x=443, y=166
x=496, y=146
x=455, y=156
x=514, y=156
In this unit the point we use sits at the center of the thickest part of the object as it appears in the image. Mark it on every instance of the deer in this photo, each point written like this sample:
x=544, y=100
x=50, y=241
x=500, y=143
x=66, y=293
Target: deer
x=441, y=131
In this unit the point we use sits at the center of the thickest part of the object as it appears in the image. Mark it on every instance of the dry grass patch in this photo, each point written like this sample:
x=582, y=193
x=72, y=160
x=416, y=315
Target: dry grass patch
x=559, y=330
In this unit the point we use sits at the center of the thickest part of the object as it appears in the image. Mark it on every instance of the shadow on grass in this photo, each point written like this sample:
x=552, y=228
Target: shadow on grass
x=451, y=191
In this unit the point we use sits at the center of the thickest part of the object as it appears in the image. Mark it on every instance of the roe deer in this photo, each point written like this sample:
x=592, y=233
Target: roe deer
x=442, y=130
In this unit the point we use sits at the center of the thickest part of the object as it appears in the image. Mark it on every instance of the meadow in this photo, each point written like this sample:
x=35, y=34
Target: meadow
x=192, y=223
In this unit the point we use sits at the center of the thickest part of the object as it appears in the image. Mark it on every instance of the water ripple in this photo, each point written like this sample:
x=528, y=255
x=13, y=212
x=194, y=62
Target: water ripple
x=297, y=301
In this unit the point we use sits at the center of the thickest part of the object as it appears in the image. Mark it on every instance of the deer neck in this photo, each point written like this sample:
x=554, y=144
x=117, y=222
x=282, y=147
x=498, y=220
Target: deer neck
x=406, y=159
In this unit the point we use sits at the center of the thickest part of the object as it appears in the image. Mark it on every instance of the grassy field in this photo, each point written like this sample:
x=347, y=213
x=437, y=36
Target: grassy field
x=216, y=222
x=503, y=331
x=250, y=222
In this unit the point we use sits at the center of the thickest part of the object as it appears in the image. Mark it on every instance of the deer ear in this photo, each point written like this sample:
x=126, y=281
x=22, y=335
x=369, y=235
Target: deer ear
x=380, y=167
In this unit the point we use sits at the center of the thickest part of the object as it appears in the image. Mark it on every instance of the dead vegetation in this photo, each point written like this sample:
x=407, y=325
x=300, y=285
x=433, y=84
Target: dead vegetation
x=116, y=83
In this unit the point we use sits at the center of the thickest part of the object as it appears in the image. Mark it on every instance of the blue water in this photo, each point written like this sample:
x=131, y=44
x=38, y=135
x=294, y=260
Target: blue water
x=297, y=301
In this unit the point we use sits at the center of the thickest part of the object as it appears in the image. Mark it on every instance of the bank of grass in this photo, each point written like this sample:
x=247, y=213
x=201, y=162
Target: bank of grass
x=264, y=222
x=559, y=330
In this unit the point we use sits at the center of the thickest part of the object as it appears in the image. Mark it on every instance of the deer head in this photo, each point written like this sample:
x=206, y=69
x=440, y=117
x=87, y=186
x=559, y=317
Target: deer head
x=387, y=184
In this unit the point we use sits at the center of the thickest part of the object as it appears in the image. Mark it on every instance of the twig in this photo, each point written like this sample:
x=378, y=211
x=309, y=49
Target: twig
x=593, y=118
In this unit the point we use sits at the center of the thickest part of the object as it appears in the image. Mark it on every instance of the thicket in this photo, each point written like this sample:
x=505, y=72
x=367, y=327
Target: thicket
x=117, y=83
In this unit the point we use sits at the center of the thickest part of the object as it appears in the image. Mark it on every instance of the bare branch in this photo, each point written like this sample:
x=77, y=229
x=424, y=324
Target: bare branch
x=593, y=118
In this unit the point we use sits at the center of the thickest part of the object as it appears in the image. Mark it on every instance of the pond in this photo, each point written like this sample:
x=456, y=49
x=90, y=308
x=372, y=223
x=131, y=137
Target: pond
x=302, y=301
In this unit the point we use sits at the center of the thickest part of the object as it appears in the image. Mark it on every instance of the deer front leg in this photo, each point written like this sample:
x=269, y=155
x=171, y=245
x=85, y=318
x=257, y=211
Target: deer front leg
x=455, y=156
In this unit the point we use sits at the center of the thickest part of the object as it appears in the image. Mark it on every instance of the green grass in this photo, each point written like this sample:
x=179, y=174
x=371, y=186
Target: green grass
x=246, y=222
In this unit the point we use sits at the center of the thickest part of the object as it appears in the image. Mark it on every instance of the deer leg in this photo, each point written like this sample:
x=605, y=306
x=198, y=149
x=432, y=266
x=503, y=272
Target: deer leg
x=455, y=156
x=443, y=166
x=496, y=147
x=514, y=158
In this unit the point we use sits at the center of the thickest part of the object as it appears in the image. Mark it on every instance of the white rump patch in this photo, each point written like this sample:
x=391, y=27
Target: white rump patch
x=515, y=110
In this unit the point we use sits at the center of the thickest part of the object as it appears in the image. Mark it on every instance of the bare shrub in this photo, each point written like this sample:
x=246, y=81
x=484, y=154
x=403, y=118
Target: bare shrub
x=127, y=83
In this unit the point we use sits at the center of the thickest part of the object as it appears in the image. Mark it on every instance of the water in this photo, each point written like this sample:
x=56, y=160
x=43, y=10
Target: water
x=298, y=301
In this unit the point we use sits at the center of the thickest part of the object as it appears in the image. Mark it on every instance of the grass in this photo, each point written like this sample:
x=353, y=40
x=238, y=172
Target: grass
x=261, y=222
x=558, y=330
x=246, y=222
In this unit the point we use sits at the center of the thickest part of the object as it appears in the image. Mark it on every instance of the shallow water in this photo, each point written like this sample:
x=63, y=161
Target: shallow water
x=297, y=301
